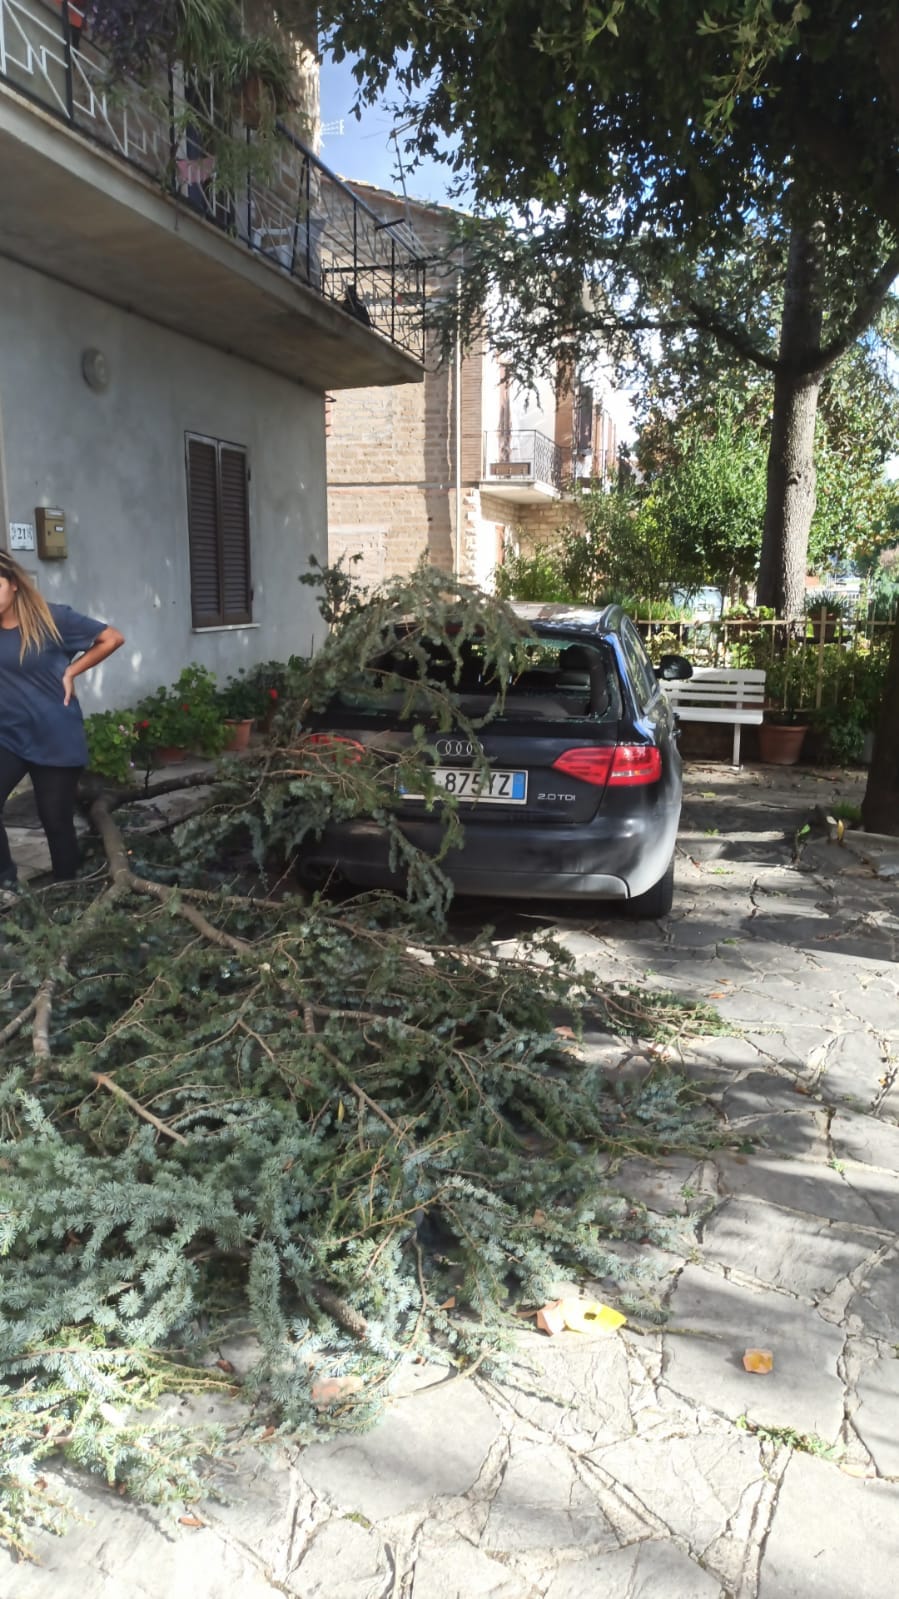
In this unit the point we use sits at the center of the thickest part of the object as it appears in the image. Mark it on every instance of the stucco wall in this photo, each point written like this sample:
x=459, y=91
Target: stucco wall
x=114, y=462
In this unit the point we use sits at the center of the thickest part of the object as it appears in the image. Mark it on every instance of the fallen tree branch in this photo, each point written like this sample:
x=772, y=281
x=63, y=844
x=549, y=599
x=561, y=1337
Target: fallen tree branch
x=351, y=1320
x=133, y=1104
x=124, y=880
x=360, y=1093
x=18, y=1022
x=43, y=1010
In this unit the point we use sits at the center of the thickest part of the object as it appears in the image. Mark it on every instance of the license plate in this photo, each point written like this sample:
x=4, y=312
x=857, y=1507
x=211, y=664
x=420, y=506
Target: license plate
x=502, y=788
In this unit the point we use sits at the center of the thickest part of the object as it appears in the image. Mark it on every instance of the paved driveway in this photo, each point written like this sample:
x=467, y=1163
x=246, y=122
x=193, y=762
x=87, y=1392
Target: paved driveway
x=646, y=1464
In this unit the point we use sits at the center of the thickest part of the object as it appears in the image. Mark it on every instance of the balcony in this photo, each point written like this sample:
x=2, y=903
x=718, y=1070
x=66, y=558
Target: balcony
x=114, y=190
x=523, y=466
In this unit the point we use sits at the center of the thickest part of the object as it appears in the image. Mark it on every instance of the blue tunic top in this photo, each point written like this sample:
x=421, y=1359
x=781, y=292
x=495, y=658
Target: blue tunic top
x=34, y=722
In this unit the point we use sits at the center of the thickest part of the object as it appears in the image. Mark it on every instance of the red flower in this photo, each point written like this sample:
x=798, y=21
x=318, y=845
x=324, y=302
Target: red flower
x=143, y=726
x=185, y=707
x=273, y=693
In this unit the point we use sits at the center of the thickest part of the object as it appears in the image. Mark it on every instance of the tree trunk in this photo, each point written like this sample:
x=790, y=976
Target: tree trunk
x=880, y=806
x=790, y=503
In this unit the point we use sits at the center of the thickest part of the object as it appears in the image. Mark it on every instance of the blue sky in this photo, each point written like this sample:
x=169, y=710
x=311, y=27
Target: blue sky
x=365, y=151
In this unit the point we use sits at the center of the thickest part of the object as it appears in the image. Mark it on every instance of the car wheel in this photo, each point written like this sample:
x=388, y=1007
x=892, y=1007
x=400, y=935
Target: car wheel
x=657, y=901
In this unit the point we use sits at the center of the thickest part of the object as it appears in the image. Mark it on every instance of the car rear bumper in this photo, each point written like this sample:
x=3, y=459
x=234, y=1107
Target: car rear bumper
x=613, y=858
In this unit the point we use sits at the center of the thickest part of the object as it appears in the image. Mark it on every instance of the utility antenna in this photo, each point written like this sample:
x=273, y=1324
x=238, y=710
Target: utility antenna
x=411, y=237
x=332, y=130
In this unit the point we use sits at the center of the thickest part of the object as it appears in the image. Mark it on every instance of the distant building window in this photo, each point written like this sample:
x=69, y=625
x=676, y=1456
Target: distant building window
x=218, y=521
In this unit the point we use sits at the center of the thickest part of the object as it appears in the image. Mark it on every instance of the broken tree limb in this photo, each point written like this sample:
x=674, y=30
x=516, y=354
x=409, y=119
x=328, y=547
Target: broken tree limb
x=133, y=1104
x=43, y=1010
x=124, y=880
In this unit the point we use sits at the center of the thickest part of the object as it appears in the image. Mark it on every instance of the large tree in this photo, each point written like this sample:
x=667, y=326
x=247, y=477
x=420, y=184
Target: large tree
x=630, y=132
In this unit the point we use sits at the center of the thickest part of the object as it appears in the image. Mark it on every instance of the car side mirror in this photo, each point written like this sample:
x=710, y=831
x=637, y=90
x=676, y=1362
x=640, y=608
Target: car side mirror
x=674, y=669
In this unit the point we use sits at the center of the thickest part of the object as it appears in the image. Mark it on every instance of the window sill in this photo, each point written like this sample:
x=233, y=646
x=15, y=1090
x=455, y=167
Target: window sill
x=226, y=627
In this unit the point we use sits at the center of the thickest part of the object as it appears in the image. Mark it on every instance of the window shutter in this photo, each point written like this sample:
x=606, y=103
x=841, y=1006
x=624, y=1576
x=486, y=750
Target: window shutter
x=235, y=536
x=202, y=522
x=218, y=520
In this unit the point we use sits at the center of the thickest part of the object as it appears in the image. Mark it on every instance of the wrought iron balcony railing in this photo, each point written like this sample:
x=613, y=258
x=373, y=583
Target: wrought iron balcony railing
x=273, y=196
x=522, y=456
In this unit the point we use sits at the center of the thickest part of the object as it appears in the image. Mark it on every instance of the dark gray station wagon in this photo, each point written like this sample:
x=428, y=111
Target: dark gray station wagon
x=583, y=795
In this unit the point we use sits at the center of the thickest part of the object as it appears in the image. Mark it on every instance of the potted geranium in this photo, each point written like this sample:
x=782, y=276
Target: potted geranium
x=239, y=703
x=181, y=720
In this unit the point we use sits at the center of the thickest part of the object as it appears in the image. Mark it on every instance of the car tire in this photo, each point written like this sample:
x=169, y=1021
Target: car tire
x=657, y=901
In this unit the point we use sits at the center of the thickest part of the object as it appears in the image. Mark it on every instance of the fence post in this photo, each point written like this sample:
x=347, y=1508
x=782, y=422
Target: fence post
x=819, y=678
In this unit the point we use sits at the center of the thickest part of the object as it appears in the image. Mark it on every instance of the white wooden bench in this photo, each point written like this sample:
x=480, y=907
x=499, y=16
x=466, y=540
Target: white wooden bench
x=720, y=694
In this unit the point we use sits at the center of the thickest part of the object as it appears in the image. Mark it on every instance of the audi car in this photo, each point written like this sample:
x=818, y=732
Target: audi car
x=573, y=791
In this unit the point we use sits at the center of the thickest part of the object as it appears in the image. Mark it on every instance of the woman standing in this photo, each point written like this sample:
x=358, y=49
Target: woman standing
x=43, y=648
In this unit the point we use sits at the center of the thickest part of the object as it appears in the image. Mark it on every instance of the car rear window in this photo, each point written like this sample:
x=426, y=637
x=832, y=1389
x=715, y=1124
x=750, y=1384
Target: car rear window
x=562, y=681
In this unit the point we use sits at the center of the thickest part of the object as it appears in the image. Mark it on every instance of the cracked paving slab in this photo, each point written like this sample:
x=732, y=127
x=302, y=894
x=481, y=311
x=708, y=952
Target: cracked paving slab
x=702, y=1487
x=344, y=1560
x=418, y=1454
x=830, y=1536
x=577, y=1395
x=876, y=1303
x=455, y=1569
x=812, y=1187
x=798, y=1254
x=119, y=1550
x=647, y=1570
x=876, y=1415
x=542, y=1503
x=713, y=1320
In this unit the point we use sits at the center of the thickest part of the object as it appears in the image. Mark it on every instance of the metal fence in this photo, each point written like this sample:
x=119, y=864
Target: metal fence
x=274, y=195
x=822, y=661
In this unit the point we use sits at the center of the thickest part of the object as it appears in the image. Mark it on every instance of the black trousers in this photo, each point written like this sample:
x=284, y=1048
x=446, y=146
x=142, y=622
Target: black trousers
x=55, y=788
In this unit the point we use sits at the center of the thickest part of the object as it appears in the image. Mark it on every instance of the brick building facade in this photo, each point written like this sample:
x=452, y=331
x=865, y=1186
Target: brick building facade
x=463, y=466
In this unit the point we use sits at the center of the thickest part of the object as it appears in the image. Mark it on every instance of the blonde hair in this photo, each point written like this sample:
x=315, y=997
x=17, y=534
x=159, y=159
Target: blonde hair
x=35, y=619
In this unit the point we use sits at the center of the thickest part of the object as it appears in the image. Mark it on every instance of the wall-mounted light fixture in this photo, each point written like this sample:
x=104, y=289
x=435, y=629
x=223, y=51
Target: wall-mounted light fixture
x=95, y=370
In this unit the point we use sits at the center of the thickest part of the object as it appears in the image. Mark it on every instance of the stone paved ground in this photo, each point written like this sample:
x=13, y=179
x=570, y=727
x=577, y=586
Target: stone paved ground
x=643, y=1464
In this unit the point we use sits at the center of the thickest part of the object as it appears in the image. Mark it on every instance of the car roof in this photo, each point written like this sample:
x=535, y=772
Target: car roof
x=555, y=617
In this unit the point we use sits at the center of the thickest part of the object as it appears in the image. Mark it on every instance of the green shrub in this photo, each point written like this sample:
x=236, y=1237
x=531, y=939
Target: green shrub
x=538, y=576
x=111, y=737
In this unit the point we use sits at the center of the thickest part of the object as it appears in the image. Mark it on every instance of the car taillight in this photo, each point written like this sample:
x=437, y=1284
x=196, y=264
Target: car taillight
x=590, y=765
x=634, y=764
x=347, y=749
x=624, y=765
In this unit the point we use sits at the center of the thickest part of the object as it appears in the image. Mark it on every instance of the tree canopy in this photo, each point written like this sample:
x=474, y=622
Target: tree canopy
x=675, y=118
x=730, y=171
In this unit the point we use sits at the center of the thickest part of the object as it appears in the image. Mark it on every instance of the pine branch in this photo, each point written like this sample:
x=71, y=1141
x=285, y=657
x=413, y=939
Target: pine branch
x=43, y=1010
x=116, y=1088
x=124, y=880
x=17, y=1023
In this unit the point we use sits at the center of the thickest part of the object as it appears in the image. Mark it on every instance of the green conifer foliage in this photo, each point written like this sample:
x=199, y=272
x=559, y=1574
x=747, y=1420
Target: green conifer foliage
x=225, y=1109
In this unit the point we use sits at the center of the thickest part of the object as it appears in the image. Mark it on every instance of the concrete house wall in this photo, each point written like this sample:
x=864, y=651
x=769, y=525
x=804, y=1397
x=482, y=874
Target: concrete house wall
x=211, y=318
x=114, y=462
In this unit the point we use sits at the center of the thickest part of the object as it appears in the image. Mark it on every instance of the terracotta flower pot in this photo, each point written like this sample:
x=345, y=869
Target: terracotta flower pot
x=781, y=744
x=240, y=733
x=169, y=755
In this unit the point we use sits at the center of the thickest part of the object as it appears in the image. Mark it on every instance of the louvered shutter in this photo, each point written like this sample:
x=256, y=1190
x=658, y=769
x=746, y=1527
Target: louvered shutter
x=202, y=522
x=219, y=530
x=235, y=535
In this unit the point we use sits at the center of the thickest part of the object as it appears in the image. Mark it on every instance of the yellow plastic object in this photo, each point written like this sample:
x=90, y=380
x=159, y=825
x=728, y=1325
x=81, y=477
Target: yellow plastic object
x=578, y=1315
